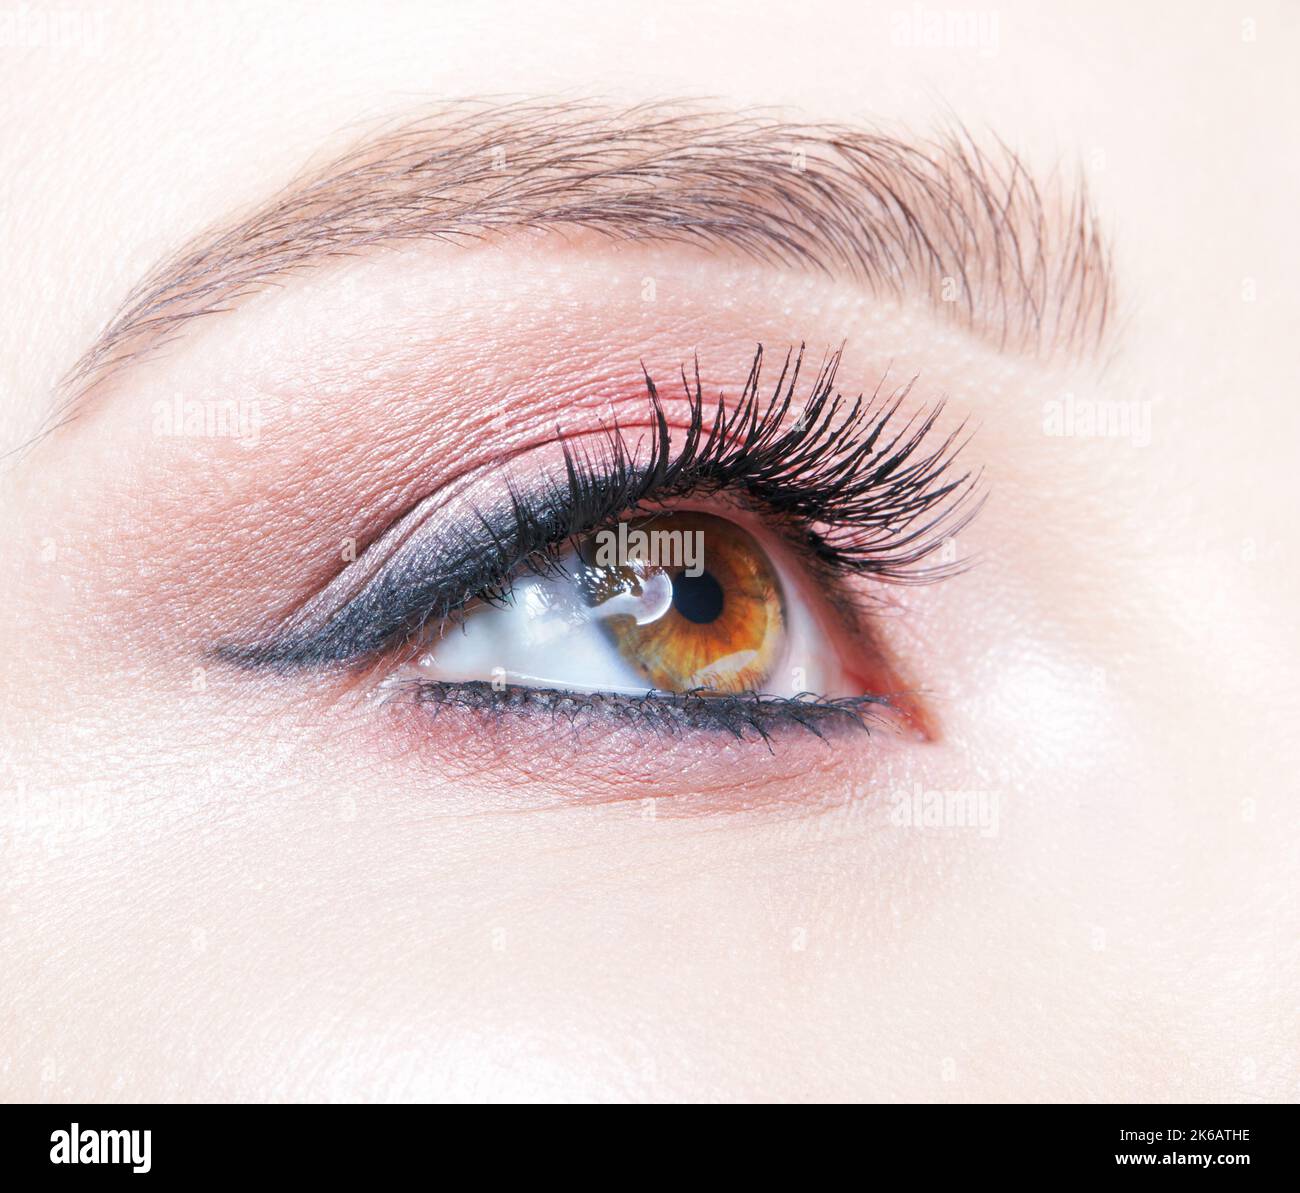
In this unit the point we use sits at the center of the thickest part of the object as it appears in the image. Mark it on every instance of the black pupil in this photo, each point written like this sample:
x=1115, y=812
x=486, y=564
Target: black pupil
x=697, y=598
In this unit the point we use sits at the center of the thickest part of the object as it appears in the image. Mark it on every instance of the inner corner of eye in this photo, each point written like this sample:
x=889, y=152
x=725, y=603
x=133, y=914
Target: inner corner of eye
x=673, y=601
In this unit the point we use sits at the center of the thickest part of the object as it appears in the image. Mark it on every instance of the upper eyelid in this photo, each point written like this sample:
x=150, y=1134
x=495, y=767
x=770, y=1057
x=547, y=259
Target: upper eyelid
x=1029, y=264
x=438, y=568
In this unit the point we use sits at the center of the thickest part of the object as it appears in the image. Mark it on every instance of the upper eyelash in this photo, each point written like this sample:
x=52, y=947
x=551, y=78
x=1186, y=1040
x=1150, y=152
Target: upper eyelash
x=865, y=500
x=826, y=470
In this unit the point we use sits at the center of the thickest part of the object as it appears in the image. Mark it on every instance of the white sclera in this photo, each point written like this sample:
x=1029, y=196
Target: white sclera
x=546, y=635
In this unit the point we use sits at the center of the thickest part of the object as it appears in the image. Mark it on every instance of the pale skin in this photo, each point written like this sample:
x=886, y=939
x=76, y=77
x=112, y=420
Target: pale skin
x=220, y=885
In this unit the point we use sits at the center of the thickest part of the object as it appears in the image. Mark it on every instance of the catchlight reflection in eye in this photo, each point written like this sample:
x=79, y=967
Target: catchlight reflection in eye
x=672, y=602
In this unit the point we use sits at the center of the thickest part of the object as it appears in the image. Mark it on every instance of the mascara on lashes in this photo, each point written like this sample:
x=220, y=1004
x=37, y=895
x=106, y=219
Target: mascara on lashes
x=881, y=504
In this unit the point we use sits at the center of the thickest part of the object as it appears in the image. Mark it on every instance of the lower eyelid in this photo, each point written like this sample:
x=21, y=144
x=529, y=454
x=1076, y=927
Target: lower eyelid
x=619, y=747
x=524, y=749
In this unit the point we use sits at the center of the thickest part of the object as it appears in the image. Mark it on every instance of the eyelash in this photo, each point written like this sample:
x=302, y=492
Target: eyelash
x=851, y=493
x=807, y=477
x=664, y=714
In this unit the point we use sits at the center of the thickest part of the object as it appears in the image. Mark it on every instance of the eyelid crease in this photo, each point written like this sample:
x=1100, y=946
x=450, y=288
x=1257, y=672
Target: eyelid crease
x=867, y=498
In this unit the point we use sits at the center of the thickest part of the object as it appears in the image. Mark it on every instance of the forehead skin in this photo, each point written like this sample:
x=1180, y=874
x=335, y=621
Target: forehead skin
x=1130, y=934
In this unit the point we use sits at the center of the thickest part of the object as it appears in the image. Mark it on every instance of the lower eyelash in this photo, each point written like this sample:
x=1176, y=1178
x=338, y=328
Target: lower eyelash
x=744, y=717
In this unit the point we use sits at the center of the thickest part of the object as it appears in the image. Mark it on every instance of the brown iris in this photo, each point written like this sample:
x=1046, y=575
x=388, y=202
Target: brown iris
x=690, y=600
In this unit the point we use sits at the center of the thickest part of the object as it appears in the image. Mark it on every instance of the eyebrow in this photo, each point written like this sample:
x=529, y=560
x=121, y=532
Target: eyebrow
x=962, y=225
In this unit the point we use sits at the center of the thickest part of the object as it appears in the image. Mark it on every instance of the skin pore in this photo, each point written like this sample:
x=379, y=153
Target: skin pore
x=222, y=883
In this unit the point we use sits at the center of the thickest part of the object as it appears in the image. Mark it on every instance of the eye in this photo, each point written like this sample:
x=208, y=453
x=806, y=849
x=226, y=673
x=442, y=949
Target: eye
x=602, y=587
x=677, y=601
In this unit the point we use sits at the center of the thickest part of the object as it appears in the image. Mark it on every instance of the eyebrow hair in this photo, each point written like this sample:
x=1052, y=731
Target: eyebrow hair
x=964, y=227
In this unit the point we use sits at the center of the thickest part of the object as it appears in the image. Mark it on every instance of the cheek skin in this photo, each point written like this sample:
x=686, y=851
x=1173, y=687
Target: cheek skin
x=1115, y=669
